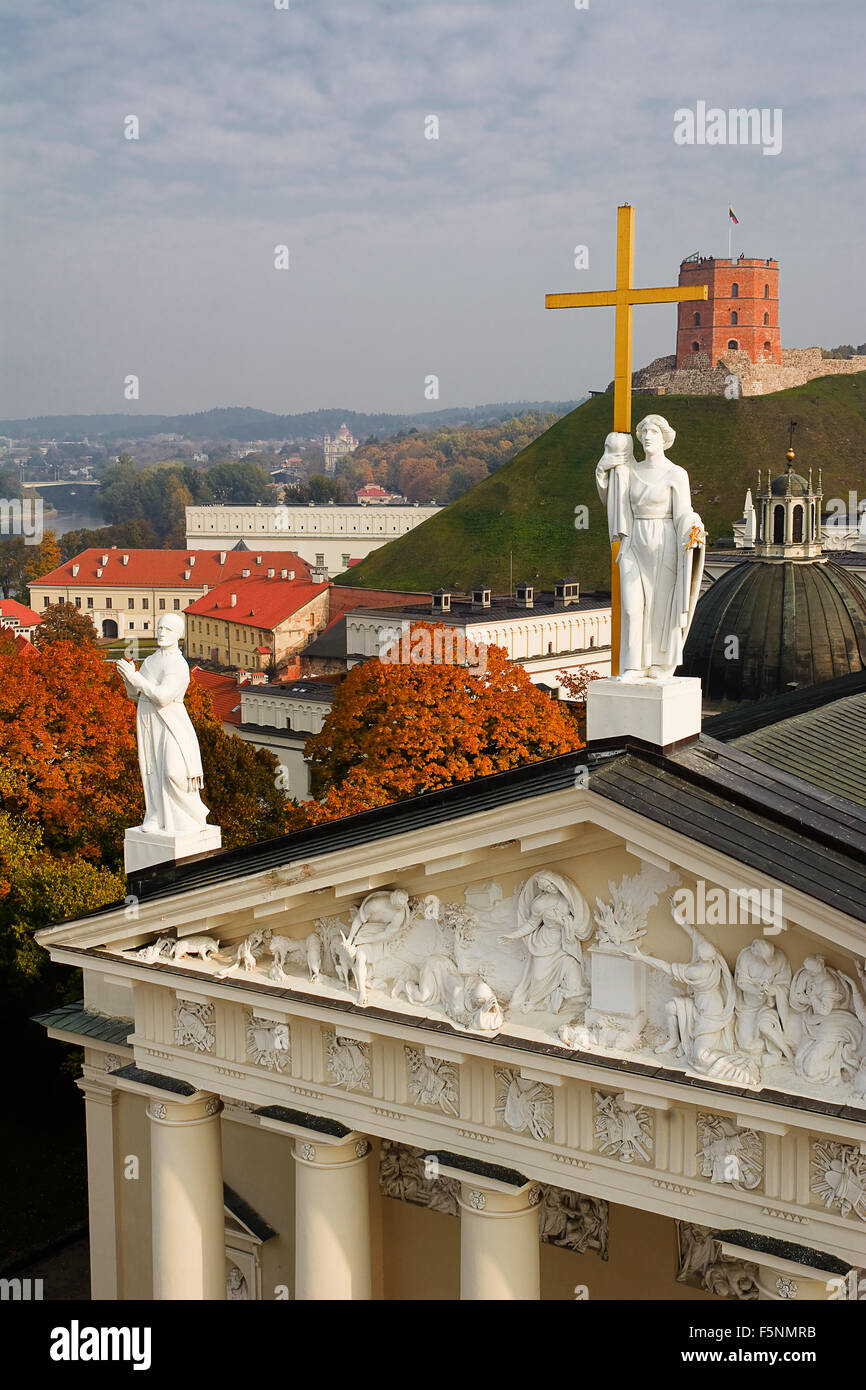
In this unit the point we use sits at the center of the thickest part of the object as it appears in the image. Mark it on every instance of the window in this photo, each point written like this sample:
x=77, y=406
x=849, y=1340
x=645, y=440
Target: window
x=89, y=602
x=766, y=319
x=46, y=600
x=767, y=347
x=735, y=318
x=132, y=627
x=735, y=290
x=797, y=529
x=177, y=605
x=130, y=603
x=320, y=561
x=346, y=559
x=778, y=525
x=697, y=320
x=146, y=626
x=145, y=603
x=733, y=344
x=766, y=291
x=696, y=347
x=78, y=602
x=161, y=604
x=550, y=649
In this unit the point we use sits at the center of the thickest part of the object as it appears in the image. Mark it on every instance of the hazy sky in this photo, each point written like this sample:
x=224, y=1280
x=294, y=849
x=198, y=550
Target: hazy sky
x=262, y=126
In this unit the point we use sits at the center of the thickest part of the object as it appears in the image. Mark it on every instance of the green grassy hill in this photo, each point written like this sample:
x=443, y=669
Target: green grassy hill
x=527, y=506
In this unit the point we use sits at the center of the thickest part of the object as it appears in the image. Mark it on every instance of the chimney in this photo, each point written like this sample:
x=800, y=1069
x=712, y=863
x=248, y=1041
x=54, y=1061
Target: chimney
x=233, y=598
x=245, y=574
x=284, y=574
x=124, y=559
x=441, y=601
x=99, y=574
x=258, y=559
x=75, y=569
x=206, y=588
x=222, y=557
x=190, y=560
x=481, y=596
x=525, y=595
x=104, y=560
x=565, y=593
x=271, y=574
x=187, y=573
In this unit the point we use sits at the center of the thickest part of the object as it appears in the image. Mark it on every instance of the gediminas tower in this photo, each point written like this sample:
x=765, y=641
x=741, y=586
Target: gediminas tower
x=741, y=313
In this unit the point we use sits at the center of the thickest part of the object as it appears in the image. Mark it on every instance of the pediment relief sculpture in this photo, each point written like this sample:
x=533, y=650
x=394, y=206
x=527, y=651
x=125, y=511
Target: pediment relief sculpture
x=540, y=963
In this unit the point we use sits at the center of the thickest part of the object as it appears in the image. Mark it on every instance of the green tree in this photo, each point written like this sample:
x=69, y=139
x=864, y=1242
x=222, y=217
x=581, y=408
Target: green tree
x=241, y=484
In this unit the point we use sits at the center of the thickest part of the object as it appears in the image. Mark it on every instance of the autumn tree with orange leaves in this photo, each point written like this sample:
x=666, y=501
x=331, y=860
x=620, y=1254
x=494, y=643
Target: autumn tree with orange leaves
x=395, y=730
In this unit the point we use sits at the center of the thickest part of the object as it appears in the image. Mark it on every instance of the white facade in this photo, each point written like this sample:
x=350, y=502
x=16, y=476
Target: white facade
x=544, y=643
x=326, y=537
x=284, y=722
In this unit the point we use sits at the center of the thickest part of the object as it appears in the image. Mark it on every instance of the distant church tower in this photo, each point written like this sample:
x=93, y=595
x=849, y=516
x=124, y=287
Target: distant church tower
x=741, y=313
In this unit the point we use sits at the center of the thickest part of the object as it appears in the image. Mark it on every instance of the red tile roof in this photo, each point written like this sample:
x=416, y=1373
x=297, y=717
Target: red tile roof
x=261, y=603
x=167, y=568
x=11, y=608
x=225, y=693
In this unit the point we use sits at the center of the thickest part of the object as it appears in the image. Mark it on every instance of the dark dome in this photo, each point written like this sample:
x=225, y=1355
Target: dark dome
x=797, y=623
x=798, y=485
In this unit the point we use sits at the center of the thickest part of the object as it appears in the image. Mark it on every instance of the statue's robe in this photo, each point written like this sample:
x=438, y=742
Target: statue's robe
x=168, y=751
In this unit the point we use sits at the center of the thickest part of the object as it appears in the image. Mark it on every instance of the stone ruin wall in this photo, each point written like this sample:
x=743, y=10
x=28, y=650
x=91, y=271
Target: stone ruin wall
x=798, y=366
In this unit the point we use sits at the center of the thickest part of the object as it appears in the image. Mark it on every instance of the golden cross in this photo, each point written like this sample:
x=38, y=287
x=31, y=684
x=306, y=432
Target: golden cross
x=623, y=299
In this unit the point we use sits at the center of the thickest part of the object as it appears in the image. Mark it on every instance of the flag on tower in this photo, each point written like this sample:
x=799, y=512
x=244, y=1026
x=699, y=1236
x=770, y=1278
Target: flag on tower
x=733, y=216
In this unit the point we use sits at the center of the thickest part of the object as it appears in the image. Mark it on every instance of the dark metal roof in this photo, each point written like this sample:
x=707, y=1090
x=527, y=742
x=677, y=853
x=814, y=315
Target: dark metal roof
x=246, y=1215
x=330, y=644
x=309, y=689
x=785, y=1250
x=154, y=1079
x=477, y=1167
x=74, y=1018
x=745, y=718
x=463, y=612
x=742, y=807
x=399, y=817
x=319, y=1124
x=794, y=622
x=826, y=747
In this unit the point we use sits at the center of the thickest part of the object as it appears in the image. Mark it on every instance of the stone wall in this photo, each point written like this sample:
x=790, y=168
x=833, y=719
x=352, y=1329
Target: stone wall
x=798, y=366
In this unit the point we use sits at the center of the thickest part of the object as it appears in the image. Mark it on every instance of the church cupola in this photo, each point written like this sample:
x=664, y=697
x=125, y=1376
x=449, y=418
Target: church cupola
x=789, y=515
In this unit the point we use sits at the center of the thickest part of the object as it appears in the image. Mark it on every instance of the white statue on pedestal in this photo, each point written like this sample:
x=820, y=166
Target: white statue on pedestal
x=168, y=752
x=661, y=554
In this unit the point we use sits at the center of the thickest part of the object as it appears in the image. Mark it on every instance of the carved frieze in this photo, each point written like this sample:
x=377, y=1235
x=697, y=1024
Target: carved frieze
x=194, y=1025
x=574, y=1221
x=839, y=1177
x=623, y=1128
x=432, y=1081
x=348, y=1062
x=405, y=1174
x=729, y=1154
x=702, y=1265
x=268, y=1043
x=524, y=1106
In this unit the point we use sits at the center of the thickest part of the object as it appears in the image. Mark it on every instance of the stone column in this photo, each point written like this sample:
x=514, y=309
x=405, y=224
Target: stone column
x=187, y=1197
x=332, y=1219
x=499, y=1242
x=100, y=1100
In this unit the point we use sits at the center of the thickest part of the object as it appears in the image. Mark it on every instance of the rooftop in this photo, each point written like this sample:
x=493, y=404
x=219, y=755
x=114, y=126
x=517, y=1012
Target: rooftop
x=259, y=602
x=174, y=569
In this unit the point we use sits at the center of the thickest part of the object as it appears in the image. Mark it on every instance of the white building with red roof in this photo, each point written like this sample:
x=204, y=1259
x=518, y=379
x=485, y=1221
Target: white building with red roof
x=18, y=619
x=124, y=591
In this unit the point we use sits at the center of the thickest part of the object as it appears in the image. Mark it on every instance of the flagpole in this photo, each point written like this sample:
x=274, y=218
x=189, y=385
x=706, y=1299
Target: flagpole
x=730, y=257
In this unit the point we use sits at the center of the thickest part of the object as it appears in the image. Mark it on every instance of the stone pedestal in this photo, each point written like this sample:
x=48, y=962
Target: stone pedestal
x=618, y=989
x=657, y=712
x=142, y=848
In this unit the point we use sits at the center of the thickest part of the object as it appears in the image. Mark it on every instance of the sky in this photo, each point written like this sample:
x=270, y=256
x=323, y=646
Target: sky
x=409, y=257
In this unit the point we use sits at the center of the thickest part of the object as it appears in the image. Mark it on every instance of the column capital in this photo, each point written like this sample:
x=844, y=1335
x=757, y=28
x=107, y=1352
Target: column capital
x=322, y=1152
x=788, y=1272
x=487, y=1201
x=170, y=1110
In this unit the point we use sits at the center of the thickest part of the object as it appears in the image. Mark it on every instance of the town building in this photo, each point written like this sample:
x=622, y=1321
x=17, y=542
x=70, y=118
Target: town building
x=17, y=619
x=257, y=621
x=328, y=537
x=343, y=442
x=124, y=592
x=546, y=632
x=372, y=494
x=280, y=719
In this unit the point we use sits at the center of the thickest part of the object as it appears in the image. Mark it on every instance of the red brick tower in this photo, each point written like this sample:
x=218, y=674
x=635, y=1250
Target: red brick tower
x=741, y=312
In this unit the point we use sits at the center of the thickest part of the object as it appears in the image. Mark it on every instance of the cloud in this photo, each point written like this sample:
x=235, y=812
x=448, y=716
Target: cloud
x=260, y=126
